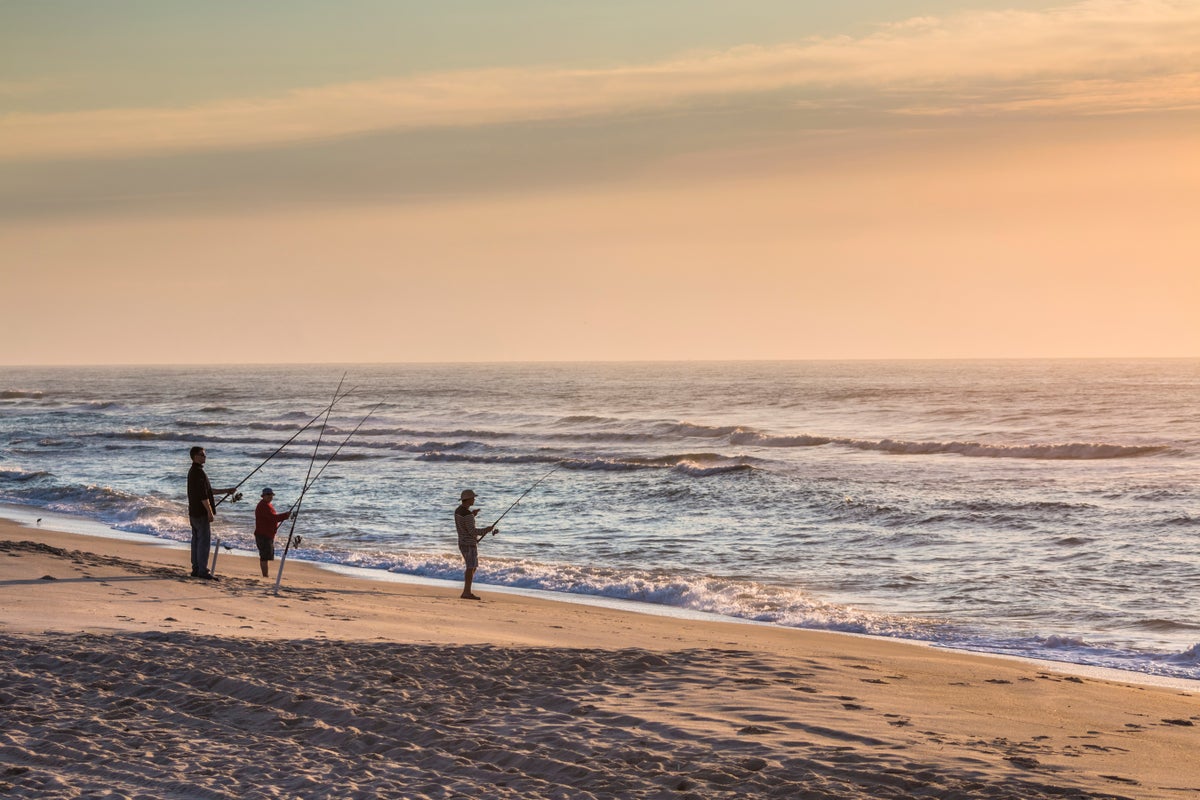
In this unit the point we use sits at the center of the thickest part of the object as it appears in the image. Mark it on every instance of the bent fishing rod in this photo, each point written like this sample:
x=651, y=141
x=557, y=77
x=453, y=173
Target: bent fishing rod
x=237, y=496
x=308, y=485
x=307, y=475
x=557, y=467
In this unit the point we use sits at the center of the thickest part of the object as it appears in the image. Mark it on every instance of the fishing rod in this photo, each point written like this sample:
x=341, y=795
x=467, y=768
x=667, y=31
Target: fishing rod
x=307, y=475
x=329, y=460
x=237, y=495
x=557, y=467
x=308, y=485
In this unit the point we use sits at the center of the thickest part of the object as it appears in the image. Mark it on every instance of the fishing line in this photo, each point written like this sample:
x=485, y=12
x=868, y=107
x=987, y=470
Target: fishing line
x=307, y=425
x=329, y=460
x=557, y=467
x=299, y=500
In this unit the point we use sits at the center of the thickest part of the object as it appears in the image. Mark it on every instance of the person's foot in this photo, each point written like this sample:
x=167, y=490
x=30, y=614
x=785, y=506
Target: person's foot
x=208, y=576
x=470, y=597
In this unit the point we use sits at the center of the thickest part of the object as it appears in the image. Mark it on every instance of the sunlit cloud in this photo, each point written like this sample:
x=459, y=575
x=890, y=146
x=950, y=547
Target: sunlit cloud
x=1097, y=57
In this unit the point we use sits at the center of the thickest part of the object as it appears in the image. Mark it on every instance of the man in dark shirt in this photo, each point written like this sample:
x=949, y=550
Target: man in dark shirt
x=202, y=508
x=468, y=540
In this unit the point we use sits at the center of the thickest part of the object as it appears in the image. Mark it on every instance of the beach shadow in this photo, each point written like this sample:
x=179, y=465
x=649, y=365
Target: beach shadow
x=117, y=579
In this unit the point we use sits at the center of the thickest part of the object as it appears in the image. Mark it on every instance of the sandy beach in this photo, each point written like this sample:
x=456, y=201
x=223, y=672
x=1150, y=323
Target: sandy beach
x=122, y=677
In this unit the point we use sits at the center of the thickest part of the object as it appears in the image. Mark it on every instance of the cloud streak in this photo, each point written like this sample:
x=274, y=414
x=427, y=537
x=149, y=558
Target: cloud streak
x=1093, y=57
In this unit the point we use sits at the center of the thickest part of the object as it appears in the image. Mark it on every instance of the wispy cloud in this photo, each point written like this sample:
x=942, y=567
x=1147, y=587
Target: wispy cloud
x=1093, y=57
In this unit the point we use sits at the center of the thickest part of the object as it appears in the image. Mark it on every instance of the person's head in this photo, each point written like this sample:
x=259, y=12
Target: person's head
x=268, y=494
x=467, y=497
x=198, y=454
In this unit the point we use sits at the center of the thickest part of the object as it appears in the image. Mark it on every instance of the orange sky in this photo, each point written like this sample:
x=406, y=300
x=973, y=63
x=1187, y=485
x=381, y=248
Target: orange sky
x=1017, y=193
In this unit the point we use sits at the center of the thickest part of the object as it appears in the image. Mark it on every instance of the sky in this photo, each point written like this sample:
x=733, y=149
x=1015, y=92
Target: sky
x=561, y=180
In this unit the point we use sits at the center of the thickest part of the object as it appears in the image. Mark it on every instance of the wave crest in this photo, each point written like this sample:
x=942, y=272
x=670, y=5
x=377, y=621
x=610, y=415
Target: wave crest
x=694, y=464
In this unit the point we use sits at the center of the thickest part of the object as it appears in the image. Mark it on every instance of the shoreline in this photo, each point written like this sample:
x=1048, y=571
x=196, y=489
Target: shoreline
x=403, y=688
x=83, y=526
x=25, y=515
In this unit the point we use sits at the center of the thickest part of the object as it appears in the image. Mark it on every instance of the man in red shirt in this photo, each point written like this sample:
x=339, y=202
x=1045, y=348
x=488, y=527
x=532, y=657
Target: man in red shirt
x=266, y=523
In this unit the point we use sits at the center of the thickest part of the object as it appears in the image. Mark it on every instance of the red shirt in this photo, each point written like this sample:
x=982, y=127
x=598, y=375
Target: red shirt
x=266, y=521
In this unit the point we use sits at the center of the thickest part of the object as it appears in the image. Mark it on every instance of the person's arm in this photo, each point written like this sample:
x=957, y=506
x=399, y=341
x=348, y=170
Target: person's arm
x=479, y=533
x=469, y=525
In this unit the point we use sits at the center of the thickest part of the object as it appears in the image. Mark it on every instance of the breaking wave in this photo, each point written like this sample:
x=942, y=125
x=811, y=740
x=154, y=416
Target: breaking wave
x=759, y=602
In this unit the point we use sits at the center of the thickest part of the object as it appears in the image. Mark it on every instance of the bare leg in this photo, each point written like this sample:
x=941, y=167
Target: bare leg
x=468, y=576
x=263, y=564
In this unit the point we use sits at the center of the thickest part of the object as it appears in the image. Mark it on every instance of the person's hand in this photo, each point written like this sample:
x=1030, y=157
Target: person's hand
x=475, y=512
x=492, y=529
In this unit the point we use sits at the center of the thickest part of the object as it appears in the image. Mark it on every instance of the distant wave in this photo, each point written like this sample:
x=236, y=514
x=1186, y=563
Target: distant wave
x=1166, y=625
x=427, y=447
x=745, y=436
x=146, y=435
x=692, y=429
x=215, y=409
x=696, y=464
x=1071, y=451
x=21, y=394
x=69, y=444
x=418, y=433
x=1067, y=451
x=701, y=471
x=321, y=456
x=20, y=475
x=1037, y=506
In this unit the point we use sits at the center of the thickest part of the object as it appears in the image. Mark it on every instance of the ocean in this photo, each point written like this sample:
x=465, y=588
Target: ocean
x=1047, y=509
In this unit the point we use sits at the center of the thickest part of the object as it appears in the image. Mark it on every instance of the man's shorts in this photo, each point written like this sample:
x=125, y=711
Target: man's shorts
x=470, y=555
x=266, y=547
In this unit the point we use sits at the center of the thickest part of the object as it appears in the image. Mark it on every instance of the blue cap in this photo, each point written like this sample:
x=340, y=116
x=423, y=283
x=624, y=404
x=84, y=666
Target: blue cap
x=268, y=491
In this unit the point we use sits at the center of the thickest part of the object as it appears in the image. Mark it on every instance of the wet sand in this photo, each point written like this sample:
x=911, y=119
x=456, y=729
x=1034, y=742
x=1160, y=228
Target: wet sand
x=123, y=677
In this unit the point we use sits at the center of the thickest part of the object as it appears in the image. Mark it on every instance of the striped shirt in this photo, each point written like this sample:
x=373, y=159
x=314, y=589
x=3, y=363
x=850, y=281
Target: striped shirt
x=464, y=523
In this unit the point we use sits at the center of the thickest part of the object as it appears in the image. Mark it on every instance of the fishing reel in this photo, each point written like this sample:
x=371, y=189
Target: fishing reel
x=235, y=498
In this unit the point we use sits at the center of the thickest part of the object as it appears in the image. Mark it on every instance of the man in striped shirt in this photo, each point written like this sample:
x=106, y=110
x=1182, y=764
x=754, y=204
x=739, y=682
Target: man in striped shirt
x=468, y=539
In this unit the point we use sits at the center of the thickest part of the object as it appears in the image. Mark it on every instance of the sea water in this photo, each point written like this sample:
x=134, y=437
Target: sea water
x=1048, y=509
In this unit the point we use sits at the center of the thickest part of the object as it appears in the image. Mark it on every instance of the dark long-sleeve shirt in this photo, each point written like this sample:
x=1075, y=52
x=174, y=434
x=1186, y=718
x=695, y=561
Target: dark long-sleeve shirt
x=199, y=490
